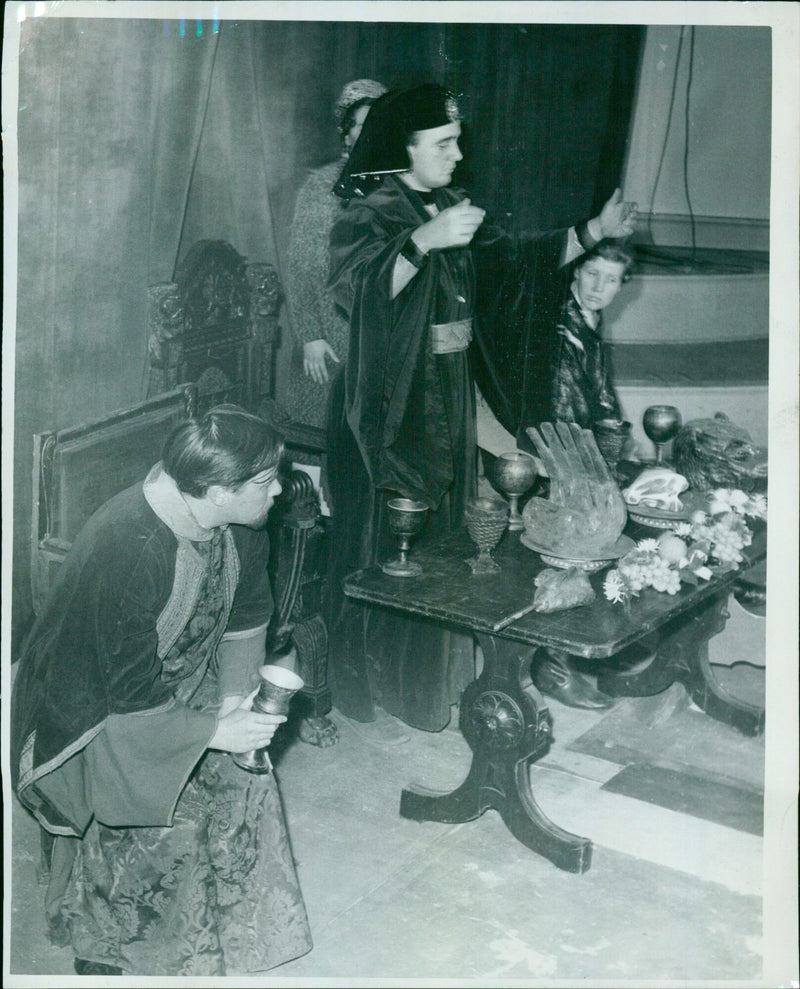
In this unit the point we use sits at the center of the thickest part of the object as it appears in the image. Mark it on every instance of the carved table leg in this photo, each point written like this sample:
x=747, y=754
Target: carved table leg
x=682, y=655
x=507, y=725
x=311, y=639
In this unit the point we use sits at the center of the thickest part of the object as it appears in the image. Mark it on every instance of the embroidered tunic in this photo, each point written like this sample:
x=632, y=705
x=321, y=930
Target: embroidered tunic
x=180, y=863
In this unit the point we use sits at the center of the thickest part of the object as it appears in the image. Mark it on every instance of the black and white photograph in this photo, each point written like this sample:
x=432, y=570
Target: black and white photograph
x=400, y=493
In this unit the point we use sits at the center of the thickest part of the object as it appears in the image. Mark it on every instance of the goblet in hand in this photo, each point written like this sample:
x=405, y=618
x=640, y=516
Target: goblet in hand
x=406, y=518
x=277, y=687
x=661, y=423
x=487, y=519
x=514, y=473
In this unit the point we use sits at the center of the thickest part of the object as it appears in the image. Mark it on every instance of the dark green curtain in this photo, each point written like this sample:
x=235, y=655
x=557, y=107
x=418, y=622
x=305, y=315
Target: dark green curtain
x=137, y=137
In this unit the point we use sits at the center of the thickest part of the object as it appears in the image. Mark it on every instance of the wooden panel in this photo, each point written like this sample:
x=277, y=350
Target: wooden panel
x=76, y=470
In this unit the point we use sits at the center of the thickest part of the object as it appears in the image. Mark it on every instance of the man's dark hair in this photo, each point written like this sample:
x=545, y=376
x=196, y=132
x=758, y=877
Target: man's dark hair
x=227, y=446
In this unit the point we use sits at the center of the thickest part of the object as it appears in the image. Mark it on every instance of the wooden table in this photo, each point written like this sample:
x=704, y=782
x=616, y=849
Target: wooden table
x=503, y=716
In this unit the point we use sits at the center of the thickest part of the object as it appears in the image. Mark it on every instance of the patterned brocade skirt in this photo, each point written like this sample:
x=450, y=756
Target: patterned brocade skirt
x=215, y=894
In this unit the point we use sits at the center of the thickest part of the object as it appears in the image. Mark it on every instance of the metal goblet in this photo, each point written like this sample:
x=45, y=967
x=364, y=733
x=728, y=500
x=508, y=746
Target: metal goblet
x=661, y=423
x=487, y=519
x=277, y=687
x=406, y=518
x=514, y=473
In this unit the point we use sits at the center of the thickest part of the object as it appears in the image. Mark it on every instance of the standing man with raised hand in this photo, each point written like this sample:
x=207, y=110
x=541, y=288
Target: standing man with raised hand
x=403, y=422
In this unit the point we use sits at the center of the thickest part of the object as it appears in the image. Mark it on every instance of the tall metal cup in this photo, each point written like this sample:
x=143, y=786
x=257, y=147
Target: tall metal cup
x=278, y=686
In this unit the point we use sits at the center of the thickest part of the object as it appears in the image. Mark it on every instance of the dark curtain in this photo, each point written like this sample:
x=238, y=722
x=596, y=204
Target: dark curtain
x=138, y=137
x=547, y=106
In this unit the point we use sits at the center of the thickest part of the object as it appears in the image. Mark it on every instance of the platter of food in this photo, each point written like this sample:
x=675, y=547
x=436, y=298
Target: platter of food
x=661, y=498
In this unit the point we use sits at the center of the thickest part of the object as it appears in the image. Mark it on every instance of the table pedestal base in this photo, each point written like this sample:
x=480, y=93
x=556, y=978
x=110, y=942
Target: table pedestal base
x=682, y=655
x=507, y=725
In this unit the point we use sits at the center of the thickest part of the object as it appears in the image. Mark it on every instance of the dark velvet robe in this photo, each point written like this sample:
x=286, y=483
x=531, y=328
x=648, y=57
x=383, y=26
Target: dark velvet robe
x=111, y=640
x=402, y=421
x=169, y=859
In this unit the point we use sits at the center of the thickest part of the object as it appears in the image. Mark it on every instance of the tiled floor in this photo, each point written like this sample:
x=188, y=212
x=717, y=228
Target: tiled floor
x=668, y=896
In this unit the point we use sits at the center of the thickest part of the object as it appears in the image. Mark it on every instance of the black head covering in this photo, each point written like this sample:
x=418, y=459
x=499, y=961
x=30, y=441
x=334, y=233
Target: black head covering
x=381, y=147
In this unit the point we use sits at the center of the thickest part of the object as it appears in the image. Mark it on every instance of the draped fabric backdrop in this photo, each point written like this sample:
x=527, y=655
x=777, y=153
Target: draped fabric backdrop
x=139, y=137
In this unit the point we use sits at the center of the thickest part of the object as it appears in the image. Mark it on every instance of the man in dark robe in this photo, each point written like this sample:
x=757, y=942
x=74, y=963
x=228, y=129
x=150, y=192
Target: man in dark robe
x=133, y=688
x=402, y=421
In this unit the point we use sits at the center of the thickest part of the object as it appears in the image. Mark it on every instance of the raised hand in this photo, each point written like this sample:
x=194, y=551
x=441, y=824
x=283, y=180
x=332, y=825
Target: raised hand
x=618, y=218
x=453, y=227
x=314, y=359
x=585, y=512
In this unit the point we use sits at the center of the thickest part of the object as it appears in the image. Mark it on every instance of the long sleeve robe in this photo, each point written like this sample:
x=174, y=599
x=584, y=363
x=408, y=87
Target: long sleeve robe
x=313, y=314
x=113, y=708
x=403, y=422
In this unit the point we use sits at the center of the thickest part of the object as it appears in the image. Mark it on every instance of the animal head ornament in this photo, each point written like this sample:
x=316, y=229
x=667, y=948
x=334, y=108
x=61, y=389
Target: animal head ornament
x=716, y=453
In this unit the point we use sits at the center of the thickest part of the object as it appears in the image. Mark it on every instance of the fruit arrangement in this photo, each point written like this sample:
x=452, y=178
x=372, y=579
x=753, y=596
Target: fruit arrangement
x=711, y=543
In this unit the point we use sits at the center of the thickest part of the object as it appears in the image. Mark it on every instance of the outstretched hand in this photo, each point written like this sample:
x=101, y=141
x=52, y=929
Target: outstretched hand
x=618, y=218
x=315, y=356
x=453, y=227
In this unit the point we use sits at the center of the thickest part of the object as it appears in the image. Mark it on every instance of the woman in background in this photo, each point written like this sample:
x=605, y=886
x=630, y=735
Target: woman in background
x=318, y=327
x=582, y=391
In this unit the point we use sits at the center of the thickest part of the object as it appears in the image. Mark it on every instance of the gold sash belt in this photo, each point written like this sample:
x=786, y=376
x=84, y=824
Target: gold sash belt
x=449, y=338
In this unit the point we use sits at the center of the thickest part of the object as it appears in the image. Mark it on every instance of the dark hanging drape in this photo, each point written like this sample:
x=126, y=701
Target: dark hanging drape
x=138, y=137
x=548, y=106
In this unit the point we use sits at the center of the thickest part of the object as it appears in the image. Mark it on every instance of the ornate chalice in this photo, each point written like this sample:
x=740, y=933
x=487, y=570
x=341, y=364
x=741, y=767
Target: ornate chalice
x=406, y=518
x=277, y=687
x=514, y=473
x=487, y=519
x=661, y=423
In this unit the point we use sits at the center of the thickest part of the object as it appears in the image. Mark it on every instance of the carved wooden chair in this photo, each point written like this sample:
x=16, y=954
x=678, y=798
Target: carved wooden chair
x=300, y=544
x=215, y=325
x=76, y=470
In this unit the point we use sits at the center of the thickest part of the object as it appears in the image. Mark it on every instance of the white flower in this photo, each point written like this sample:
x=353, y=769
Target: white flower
x=756, y=506
x=683, y=529
x=648, y=545
x=614, y=587
x=727, y=500
x=738, y=500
